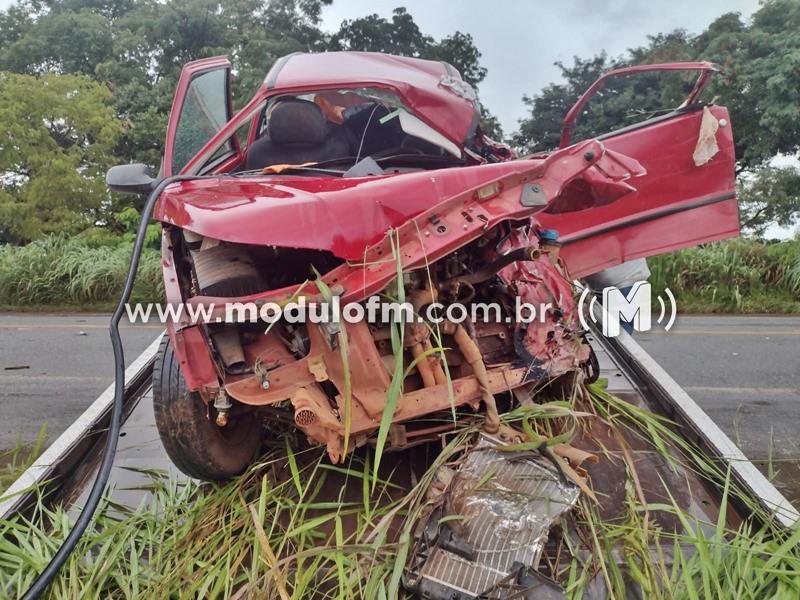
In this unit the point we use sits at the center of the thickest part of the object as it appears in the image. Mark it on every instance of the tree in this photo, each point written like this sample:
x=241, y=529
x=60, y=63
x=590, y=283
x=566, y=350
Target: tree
x=771, y=195
x=401, y=35
x=542, y=130
x=760, y=84
x=621, y=102
x=61, y=40
x=134, y=51
x=373, y=33
x=139, y=46
x=58, y=135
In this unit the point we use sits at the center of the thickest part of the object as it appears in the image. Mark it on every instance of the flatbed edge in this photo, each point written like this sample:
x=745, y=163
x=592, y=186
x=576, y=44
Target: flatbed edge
x=715, y=441
x=42, y=468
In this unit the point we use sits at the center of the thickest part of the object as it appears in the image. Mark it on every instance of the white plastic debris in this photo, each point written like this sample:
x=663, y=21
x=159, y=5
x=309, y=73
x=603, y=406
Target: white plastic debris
x=706, y=146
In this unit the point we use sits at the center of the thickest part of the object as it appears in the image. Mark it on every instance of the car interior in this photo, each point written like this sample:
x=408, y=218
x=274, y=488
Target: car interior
x=342, y=127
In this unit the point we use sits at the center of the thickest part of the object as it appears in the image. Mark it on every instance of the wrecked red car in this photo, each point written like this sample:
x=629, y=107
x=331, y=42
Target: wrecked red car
x=353, y=175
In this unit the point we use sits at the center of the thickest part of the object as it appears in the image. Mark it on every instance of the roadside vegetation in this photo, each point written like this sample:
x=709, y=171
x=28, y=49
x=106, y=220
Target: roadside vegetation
x=14, y=461
x=79, y=273
x=84, y=86
x=734, y=276
x=87, y=273
x=295, y=526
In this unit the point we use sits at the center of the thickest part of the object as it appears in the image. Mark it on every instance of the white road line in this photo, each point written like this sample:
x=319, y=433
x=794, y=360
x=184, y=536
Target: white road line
x=39, y=377
x=741, y=390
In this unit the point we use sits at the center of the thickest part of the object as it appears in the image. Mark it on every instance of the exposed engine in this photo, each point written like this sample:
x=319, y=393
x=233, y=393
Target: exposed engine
x=494, y=316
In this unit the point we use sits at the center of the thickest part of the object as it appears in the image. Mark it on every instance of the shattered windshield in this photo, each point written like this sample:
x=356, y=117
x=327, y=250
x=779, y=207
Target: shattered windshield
x=342, y=128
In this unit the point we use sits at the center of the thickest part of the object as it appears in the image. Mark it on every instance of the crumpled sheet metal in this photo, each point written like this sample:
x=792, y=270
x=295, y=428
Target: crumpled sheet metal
x=507, y=502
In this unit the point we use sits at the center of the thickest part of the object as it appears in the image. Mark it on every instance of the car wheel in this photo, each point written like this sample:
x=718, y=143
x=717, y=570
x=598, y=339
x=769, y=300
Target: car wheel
x=194, y=443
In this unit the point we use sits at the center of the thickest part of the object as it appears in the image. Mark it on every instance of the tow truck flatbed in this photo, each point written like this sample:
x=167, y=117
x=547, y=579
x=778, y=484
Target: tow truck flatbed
x=66, y=469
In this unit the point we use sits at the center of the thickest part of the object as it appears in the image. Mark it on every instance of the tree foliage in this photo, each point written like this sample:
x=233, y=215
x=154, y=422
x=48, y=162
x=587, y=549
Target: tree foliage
x=761, y=63
x=770, y=196
x=139, y=47
x=131, y=52
x=401, y=35
x=760, y=86
x=135, y=49
x=59, y=133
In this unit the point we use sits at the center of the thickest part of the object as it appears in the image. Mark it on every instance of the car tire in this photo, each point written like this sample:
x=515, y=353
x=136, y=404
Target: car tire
x=193, y=441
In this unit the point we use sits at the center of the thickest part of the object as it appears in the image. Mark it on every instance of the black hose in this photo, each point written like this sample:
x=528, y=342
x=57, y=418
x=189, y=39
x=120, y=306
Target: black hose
x=491, y=269
x=87, y=512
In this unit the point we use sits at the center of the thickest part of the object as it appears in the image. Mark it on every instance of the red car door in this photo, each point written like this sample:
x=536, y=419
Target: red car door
x=685, y=198
x=200, y=109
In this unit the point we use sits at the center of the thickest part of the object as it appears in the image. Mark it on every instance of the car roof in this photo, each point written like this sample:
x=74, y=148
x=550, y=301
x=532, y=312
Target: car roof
x=433, y=90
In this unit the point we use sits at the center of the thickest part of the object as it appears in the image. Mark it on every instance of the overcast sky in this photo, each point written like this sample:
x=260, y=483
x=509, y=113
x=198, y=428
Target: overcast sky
x=520, y=40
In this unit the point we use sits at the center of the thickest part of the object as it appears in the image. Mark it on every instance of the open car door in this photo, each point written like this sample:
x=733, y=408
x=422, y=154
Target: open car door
x=686, y=197
x=200, y=109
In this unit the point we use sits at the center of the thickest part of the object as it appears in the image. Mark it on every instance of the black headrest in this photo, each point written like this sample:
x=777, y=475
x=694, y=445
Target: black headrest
x=297, y=123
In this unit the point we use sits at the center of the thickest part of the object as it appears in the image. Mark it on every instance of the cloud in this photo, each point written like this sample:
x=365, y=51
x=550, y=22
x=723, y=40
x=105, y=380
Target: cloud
x=521, y=40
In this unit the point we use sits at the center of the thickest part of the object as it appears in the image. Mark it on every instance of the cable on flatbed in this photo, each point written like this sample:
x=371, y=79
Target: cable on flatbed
x=44, y=579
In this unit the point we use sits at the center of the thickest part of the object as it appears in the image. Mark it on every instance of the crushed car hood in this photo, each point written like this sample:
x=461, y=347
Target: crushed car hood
x=340, y=215
x=431, y=89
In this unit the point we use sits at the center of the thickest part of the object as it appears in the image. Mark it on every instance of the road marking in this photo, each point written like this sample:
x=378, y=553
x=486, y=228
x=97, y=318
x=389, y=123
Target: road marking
x=762, y=332
x=739, y=390
x=38, y=377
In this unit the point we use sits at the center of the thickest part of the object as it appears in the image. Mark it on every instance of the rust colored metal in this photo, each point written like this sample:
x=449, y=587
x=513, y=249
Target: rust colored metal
x=227, y=343
x=298, y=381
x=462, y=224
x=423, y=365
x=472, y=355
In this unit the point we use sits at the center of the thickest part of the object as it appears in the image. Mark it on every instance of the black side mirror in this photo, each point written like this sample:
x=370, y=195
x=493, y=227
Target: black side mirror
x=130, y=179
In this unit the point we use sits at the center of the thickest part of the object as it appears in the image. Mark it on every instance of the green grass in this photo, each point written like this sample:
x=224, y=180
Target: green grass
x=14, y=461
x=739, y=275
x=87, y=273
x=295, y=526
x=276, y=532
x=60, y=271
x=708, y=559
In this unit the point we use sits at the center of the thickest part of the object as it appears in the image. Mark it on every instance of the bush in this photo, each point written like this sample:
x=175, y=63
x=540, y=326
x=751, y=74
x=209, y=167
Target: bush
x=58, y=270
x=735, y=275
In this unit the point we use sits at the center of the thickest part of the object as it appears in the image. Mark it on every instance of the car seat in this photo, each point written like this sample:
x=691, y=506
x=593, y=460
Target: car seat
x=297, y=133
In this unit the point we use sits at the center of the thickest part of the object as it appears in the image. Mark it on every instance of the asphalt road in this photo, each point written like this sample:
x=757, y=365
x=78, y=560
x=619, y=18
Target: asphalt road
x=52, y=367
x=744, y=371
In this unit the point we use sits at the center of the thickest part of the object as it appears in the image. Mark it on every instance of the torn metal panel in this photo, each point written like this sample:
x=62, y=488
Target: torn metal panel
x=430, y=205
x=491, y=524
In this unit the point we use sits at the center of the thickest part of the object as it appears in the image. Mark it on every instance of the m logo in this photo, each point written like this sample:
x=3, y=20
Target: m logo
x=634, y=307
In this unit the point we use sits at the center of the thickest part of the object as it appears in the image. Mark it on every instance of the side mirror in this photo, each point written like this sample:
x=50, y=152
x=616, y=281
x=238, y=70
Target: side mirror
x=130, y=179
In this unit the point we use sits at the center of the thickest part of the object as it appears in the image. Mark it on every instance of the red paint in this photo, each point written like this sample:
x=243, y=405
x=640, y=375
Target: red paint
x=189, y=72
x=416, y=81
x=639, y=194
x=672, y=182
x=341, y=215
x=193, y=352
x=705, y=68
